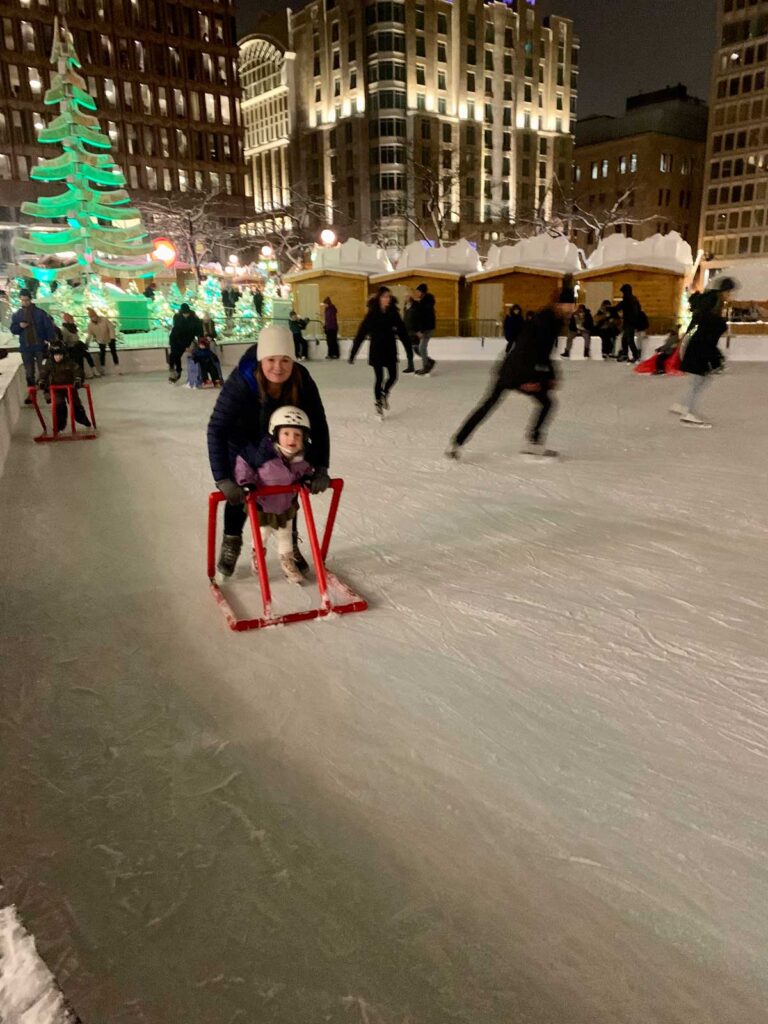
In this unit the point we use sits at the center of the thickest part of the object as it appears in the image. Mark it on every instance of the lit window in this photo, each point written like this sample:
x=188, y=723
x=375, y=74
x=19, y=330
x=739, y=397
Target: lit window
x=665, y=163
x=605, y=168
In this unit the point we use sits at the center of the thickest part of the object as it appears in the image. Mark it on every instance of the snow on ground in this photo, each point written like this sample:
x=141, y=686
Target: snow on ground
x=529, y=785
x=28, y=992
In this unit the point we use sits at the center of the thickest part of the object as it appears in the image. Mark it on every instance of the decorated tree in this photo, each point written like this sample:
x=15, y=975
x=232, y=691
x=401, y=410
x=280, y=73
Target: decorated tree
x=103, y=235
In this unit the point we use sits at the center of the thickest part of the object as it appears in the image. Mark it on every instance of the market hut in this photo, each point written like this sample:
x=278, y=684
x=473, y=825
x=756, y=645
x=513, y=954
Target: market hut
x=443, y=270
x=658, y=268
x=341, y=272
x=526, y=273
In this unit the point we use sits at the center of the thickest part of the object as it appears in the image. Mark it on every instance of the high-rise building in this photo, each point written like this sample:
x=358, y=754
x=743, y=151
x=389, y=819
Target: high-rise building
x=641, y=173
x=164, y=77
x=417, y=119
x=734, y=221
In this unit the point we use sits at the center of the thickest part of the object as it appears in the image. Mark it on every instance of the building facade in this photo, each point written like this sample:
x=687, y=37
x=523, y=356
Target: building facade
x=642, y=173
x=164, y=77
x=431, y=118
x=734, y=221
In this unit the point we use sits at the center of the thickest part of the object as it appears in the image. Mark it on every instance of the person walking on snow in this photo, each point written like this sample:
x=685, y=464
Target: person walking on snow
x=279, y=462
x=331, y=327
x=34, y=329
x=702, y=356
x=102, y=331
x=426, y=321
x=265, y=379
x=528, y=368
x=383, y=325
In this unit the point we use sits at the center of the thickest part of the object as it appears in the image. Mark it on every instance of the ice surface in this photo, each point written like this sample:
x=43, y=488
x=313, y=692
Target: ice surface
x=527, y=787
x=667, y=252
x=538, y=253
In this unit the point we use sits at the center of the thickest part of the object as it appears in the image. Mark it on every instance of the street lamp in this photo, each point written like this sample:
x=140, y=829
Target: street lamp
x=267, y=252
x=328, y=237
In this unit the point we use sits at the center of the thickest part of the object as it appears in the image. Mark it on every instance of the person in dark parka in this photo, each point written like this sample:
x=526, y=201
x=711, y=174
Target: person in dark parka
x=383, y=325
x=185, y=329
x=266, y=378
x=629, y=307
x=702, y=356
x=528, y=368
x=513, y=326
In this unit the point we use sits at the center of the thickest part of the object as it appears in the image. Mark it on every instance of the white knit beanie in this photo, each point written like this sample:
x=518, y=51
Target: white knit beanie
x=275, y=341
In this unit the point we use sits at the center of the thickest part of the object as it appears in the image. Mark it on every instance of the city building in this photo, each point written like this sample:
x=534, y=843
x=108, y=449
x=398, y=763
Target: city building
x=410, y=120
x=164, y=77
x=652, y=158
x=734, y=221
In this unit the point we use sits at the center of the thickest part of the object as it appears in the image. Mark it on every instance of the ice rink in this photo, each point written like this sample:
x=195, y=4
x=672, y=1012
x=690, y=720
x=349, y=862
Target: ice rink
x=528, y=786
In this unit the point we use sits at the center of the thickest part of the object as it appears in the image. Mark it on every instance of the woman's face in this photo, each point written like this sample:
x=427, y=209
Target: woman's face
x=277, y=369
x=384, y=300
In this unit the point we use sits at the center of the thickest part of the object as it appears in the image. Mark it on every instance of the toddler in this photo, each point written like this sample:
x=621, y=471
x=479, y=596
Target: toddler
x=58, y=368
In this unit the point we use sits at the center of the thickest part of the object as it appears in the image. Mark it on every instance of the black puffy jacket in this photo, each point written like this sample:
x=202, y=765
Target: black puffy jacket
x=242, y=411
x=530, y=361
x=702, y=355
x=383, y=327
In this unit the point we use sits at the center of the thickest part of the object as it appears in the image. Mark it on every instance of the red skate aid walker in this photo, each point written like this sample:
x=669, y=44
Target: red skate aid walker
x=59, y=429
x=335, y=597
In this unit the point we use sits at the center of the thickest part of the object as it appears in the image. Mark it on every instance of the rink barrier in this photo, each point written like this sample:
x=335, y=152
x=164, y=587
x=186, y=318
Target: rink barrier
x=330, y=587
x=57, y=434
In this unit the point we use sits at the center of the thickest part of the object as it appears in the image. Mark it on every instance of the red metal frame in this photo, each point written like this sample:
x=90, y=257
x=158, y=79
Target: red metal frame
x=328, y=584
x=58, y=435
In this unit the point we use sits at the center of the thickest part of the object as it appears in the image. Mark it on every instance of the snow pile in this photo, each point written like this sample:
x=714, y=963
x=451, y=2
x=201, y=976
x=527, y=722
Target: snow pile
x=460, y=258
x=28, y=992
x=352, y=256
x=539, y=253
x=663, y=252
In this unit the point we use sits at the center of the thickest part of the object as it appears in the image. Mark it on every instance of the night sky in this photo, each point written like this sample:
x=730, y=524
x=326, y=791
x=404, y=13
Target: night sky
x=627, y=46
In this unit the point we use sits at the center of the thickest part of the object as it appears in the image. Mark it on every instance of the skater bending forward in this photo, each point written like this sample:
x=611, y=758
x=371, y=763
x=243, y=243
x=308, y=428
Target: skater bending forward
x=383, y=325
x=266, y=379
x=278, y=461
x=527, y=368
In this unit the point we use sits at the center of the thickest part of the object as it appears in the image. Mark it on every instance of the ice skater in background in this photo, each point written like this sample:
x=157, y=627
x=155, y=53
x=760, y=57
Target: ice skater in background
x=207, y=363
x=701, y=356
x=281, y=462
x=383, y=325
x=528, y=368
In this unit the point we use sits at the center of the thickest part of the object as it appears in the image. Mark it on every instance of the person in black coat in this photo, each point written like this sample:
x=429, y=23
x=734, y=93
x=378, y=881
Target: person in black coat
x=580, y=324
x=185, y=329
x=426, y=322
x=631, y=313
x=528, y=368
x=702, y=355
x=266, y=378
x=513, y=326
x=383, y=325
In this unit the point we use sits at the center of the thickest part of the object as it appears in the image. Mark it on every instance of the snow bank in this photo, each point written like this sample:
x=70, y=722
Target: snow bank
x=460, y=258
x=539, y=253
x=351, y=256
x=663, y=252
x=28, y=992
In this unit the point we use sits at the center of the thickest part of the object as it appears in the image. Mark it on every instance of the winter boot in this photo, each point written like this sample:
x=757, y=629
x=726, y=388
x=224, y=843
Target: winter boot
x=453, y=450
x=290, y=569
x=228, y=555
x=379, y=407
x=385, y=401
x=539, y=449
x=410, y=368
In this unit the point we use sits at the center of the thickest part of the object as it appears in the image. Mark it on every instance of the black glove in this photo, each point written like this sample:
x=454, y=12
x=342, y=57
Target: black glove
x=320, y=481
x=233, y=492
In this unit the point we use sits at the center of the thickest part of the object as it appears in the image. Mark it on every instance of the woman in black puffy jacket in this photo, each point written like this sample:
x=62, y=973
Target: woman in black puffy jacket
x=383, y=325
x=702, y=355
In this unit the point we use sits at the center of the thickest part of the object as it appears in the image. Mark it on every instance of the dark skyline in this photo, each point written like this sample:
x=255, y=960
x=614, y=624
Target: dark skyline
x=627, y=46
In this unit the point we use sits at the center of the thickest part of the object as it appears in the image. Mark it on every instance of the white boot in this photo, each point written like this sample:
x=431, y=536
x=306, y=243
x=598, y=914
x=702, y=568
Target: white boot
x=290, y=569
x=694, y=421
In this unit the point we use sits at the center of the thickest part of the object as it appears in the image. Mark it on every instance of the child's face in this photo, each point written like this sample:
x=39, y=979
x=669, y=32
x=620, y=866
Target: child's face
x=291, y=438
x=58, y=356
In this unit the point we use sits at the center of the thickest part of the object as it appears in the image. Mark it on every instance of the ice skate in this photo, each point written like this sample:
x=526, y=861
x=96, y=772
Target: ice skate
x=174, y=377
x=379, y=407
x=539, y=450
x=385, y=402
x=678, y=410
x=299, y=560
x=410, y=368
x=690, y=420
x=229, y=553
x=453, y=451
x=290, y=569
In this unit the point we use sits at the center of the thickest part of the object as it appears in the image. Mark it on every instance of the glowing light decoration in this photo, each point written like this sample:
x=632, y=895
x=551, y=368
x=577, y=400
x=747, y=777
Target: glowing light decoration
x=164, y=251
x=328, y=237
x=94, y=196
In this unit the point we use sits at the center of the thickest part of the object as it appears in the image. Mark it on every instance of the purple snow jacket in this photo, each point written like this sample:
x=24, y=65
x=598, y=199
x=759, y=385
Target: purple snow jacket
x=276, y=471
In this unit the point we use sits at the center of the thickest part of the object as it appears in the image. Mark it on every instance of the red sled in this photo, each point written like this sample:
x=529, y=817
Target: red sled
x=86, y=434
x=671, y=366
x=336, y=598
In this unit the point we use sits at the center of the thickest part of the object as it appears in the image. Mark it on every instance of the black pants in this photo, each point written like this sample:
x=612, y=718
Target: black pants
x=380, y=389
x=410, y=347
x=61, y=412
x=332, y=339
x=608, y=340
x=628, y=343
x=81, y=355
x=301, y=346
x=174, y=358
x=535, y=428
x=587, y=342
x=113, y=350
x=209, y=369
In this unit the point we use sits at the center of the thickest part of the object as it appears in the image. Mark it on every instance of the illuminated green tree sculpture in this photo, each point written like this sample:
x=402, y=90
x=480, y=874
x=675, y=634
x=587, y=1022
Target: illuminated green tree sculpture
x=104, y=235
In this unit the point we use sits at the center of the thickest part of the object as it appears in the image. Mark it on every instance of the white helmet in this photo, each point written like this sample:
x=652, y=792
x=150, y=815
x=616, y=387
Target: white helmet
x=288, y=416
